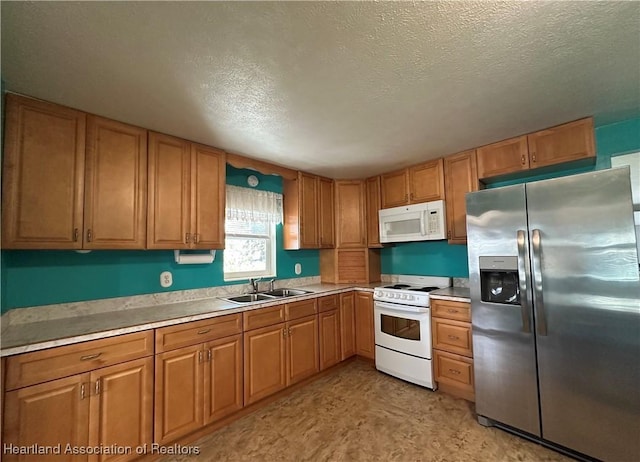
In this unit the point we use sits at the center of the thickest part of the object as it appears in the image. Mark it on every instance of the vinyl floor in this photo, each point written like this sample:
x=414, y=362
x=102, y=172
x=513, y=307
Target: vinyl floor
x=360, y=414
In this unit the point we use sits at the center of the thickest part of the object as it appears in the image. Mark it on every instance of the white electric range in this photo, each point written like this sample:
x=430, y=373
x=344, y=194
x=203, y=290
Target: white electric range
x=402, y=320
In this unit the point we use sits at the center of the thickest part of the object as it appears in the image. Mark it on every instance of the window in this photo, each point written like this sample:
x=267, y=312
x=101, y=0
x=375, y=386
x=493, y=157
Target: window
x=250, y=243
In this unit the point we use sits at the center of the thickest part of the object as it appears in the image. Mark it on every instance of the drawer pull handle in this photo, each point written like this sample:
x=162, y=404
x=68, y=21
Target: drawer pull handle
x=89, y=357
x=453, y=371
x=451, y=311
x=204, y=331
x=453, y=337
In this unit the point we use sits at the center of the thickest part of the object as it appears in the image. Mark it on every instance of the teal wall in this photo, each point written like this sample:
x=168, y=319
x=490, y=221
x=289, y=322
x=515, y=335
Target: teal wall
x=437, y=258
x=41, y=277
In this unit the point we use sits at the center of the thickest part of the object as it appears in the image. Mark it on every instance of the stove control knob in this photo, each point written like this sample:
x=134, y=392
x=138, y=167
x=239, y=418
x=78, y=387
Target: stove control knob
x=396, y=296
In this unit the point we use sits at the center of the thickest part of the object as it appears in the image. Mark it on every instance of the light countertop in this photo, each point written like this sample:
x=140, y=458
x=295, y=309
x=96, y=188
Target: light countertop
x=33, y=336
x=456, y=294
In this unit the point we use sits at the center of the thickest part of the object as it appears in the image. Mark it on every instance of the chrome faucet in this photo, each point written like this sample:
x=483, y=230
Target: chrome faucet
x=253, y=282
x=272, y=286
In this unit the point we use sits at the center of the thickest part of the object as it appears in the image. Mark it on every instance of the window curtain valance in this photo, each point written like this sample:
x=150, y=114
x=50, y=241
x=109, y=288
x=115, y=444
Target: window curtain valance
x=252, y=205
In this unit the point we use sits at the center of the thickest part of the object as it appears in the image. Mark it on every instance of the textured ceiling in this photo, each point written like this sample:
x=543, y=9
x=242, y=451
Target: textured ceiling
x=338, y=89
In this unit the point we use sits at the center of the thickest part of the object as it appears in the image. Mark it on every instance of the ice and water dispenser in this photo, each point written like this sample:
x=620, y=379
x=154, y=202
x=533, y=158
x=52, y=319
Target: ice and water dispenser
x=499, y=280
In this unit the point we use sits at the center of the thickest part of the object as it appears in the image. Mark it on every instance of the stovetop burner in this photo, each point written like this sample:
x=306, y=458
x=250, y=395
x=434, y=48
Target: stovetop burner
x=424, y=289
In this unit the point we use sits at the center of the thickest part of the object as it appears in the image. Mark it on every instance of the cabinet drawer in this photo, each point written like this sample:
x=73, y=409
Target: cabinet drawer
x=190, y=333
x=454, y=370
x=54, y=363
x=460, y=311
x=301, y=309
x=263, y=317
x=327, y=303
x=453, y=336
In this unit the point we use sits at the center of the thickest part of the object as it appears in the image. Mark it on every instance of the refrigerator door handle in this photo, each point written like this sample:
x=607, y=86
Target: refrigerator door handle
x=523, y=282
x=541, y=321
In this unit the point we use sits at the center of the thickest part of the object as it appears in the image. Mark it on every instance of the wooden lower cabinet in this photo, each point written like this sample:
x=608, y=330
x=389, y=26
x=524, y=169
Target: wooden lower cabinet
x=48, y=414
x=347, y=325
x=278, y=356
x=109, y=406
x=265, y=362
x=329, y=333
x=302, y=349
x=197, y=385
x=365, y=345
x=453, y=347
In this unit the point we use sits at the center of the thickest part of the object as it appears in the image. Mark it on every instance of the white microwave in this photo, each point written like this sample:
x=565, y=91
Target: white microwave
x=417, y=222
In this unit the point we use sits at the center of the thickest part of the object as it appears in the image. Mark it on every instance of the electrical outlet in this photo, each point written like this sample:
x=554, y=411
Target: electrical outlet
x=298, y=268
x=166, y=279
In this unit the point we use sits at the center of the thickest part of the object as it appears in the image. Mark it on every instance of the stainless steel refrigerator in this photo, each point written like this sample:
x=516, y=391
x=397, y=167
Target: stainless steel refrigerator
x=555, y=302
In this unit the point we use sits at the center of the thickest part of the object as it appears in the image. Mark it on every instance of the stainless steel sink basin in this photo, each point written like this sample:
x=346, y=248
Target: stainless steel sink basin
x=287, y=292
x=248, y=298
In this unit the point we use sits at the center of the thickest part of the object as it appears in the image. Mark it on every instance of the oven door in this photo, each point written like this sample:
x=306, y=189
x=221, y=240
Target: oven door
x=405, y=329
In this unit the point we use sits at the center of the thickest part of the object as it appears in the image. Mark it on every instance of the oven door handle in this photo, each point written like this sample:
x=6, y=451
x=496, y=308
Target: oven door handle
x=405, y=310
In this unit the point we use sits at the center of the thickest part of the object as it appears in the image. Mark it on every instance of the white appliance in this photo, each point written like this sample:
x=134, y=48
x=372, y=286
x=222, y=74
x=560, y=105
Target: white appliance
x=417, y=222
x=402, y=321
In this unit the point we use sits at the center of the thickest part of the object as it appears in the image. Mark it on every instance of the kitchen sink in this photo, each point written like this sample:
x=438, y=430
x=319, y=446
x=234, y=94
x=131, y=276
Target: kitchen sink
x=248, y=298
x=287, y=292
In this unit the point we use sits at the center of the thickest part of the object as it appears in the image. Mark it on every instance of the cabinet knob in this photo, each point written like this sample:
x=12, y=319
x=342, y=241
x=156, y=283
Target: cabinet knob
x=411, y=196
x=522, y=159
x=453, y=371
x=97, y=387
x=449, y=234
x=89, y=235
x=76, y=234
x=406, y=197
x=284, y=332
x=533, y=156
x=82, y=391
x=187, y=238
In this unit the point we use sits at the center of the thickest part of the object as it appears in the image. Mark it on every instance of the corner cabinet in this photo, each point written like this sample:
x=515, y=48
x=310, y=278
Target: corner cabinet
x=186, y=195
x=461, y=177
x=350, y=214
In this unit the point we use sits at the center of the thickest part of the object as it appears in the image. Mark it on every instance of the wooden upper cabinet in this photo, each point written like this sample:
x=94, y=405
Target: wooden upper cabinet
x=373, y=207
x=186, y=195
x=43, y=178
x=208, y=191
x=564, y=143
x=557, y=145
x=461, y=177
x=168, y=213
x=426, y=182
x=308, y=211
x=326, y=213
x=395, y=189
x=115, y=185
x=507, y=156
x=350, y=213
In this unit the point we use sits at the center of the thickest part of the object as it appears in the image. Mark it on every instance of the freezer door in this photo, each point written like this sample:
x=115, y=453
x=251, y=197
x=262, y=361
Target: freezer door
x=503, y=342
x=587, y=312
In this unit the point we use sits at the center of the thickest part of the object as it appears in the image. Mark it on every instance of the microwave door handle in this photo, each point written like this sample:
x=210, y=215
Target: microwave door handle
x=523, y=281
x=423, y=219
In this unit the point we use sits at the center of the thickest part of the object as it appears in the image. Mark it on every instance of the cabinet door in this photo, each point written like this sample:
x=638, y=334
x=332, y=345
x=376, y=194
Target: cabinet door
x=178, y=394
x=121, y=410
x=222, y=378
x=347, y=325
x=168, y=213
x=364, y=325
x=426, y=182
x=373, y=207
x=350, y=210
x=115, y=207
x=461, y=177
x=48, y=414
x=564, y=143
x=395, y=189
x=265, y=362
x=325, y=214
x=208, y=173
x=507, y=156
x=309, y=238
x=302, y=349
x=329, y=329
x=43, y=176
